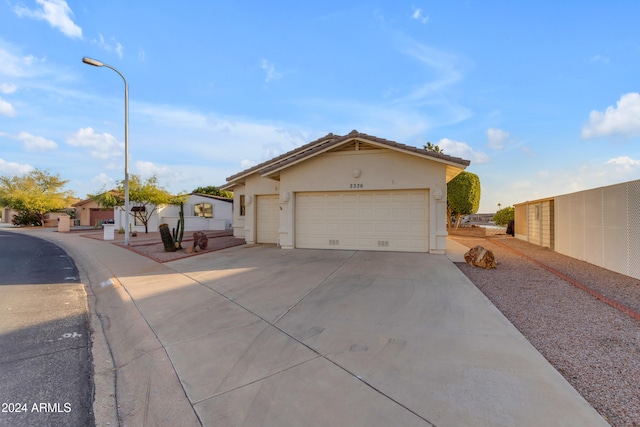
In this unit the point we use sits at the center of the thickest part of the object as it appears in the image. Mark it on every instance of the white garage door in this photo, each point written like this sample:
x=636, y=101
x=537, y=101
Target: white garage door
x=367, y=220
x=268, y=219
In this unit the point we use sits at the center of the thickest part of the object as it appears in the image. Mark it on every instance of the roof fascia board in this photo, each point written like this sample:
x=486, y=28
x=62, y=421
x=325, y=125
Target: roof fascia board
x=270, y=171
x=415, y=153
x=234, y=179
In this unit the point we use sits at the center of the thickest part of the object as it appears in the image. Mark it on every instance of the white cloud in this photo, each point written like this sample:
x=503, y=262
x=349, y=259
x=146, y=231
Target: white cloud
x=497, y=138
x=599, y=58
x=270, y=70
x=104, y=181
x=175, y=178
x=103, y=146
x=549, y=183
x=246, y=164
x=7, y=88
x=114, y=46
x=623, y=119
x=149, y=169
x=418, y=16
x=6, y=109
x=36, y=143
x=10, y=64
x=56, y=12
x=624, y=164
x=462, y=149
x=11, y=168
x=445, y=66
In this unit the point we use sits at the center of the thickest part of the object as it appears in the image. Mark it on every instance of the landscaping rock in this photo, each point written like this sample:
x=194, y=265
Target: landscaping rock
x=480, y=257
x=200, y=240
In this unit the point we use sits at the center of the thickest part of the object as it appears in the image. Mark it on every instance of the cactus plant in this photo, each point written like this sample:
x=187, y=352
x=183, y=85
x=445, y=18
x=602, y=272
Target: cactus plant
x=169, y=245
x=178, y=233
x=173, y=239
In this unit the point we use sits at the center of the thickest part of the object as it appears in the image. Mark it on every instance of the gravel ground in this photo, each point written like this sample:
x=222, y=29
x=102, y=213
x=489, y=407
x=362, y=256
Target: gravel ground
x=593, y=345
x=151, y=246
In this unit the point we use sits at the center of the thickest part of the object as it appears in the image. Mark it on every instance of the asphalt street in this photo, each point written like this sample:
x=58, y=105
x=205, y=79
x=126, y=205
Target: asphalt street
x=45, y=366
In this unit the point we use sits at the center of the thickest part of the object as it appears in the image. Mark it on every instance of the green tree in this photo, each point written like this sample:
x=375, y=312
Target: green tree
x=213, y=191
x=463, y=195
x=146, y=197
x=34, y=195
x=432, y=147
x=504, y=215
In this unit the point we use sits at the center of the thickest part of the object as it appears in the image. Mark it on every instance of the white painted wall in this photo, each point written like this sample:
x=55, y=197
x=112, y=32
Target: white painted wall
x=222, y=214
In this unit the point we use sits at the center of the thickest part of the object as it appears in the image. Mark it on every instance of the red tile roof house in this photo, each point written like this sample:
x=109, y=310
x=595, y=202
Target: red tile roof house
x=347, y=192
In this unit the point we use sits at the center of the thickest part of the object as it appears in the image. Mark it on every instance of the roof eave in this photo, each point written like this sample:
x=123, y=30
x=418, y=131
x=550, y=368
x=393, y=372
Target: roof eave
x=456, y=162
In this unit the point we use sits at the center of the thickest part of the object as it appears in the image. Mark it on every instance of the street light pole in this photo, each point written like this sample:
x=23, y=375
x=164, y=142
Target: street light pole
x=126, y=143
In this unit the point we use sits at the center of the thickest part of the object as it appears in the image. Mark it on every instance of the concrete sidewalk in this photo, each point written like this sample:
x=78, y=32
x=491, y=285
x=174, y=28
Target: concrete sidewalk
x=258, y=336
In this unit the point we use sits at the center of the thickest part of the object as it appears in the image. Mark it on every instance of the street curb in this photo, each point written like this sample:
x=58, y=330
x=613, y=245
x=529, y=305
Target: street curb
x=135, y=381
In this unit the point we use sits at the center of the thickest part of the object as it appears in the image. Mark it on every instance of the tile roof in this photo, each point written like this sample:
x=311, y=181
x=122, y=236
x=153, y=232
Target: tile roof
x=211, y=196
x=329, y=141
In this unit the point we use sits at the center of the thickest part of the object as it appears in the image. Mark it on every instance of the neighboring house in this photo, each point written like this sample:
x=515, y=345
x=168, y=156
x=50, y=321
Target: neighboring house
x=347, y=192
x=600, y=226
x=135, y=223
x=534, y=222
x=50, y=219
x=7, y=214
x=89, y=213
x=201, y=212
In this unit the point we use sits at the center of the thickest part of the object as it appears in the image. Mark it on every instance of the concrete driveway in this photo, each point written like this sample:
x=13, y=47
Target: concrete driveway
x=261, y=336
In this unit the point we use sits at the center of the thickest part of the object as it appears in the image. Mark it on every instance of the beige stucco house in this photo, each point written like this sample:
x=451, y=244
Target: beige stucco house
x=347, y=192
x=89, y=213
x=534, y=222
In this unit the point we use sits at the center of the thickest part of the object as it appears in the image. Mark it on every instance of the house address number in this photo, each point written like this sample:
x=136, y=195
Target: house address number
x=356, y=185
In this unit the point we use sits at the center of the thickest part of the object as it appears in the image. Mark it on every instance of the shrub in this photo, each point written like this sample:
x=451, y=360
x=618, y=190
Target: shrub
x=27, y=219
x=504, y=215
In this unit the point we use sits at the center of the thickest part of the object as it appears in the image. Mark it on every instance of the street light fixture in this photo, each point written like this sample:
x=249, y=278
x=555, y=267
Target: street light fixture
x=96, y=63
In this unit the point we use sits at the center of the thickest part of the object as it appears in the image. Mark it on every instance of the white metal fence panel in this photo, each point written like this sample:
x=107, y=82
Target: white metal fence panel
x=614, y=202
x=593, y=226
x=633, y=218
x=563, y=224
x=601, y=226
x=577, y=225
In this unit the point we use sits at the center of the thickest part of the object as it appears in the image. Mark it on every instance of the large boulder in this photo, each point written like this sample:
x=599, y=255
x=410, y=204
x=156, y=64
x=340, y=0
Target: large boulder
x=200, y=241
x=480, y=257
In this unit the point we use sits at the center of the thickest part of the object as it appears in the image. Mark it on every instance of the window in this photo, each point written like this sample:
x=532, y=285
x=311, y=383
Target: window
x=242, y=205
x=204, y=210
x=139, y=214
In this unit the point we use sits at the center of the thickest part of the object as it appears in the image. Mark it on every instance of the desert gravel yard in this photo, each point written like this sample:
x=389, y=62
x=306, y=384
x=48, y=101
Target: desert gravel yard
x=595, y=346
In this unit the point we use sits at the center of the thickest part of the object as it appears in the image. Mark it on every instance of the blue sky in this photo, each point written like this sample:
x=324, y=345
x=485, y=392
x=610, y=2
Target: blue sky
x=542, y=97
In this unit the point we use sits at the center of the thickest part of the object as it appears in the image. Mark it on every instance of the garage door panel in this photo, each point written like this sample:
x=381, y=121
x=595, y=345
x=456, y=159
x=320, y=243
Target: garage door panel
x=417, y=198
x=382, y=213
x=400, y=199
x=399, y=227
x=333, y=212
x=383, y=227
x=364, y=227
x=368, y=220
x=416, y=228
